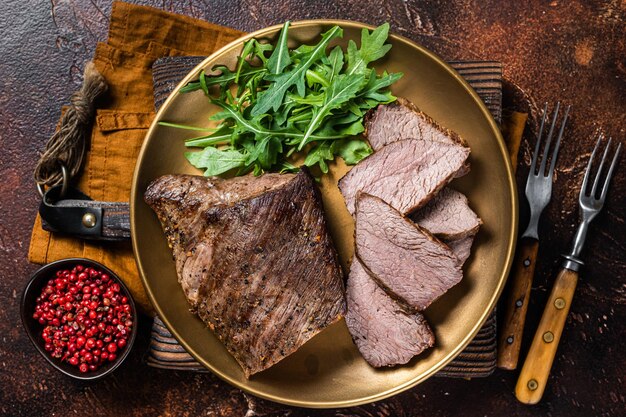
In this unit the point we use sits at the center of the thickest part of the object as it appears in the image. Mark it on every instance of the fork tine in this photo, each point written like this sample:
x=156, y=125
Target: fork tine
x=583, y=188
x=533, y=164
x=555, y=153
x=544, y=159
x=599, y=173
x=605, y=187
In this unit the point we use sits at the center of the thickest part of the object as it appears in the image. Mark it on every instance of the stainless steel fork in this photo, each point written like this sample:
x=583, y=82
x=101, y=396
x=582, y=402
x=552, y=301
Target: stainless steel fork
x=534, y=375
x=538, y=191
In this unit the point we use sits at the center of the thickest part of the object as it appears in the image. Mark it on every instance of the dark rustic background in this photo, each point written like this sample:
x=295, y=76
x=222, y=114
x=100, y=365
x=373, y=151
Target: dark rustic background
x=569, y=50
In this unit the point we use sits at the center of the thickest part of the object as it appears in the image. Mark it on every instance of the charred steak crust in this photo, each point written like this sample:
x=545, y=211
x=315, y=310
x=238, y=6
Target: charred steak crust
x=385, y=332
x=272, y=279
x=417, y=267
x=177, y=200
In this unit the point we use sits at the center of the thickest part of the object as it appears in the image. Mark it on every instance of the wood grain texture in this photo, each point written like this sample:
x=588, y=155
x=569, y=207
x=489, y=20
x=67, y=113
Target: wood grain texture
x=516, y=303
x=534, y=375
x=551, y=50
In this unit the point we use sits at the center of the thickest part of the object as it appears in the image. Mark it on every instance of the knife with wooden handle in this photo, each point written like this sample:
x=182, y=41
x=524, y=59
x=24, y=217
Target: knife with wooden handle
x=534, y=375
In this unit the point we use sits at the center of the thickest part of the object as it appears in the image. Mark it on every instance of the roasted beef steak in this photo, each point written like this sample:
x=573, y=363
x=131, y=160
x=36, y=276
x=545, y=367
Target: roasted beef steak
x=405, y=259
x=180, y=200
x=255, y=259
x=406, y=174
x=385, y=332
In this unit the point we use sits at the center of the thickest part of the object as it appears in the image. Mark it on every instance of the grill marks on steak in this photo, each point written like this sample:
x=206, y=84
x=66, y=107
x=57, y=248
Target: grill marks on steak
x=406, y=173
x=269, y=274
x=383, y=330
x=402, y=119
x=448, y=216
x=405, y=259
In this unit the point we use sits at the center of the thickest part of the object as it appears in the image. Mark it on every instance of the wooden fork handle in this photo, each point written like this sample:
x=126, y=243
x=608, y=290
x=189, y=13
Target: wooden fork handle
x=520, y=281
x=534, y=375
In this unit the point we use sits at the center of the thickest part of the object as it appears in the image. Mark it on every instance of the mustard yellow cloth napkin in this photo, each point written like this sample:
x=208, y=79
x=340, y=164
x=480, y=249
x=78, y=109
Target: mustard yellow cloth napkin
x=138, y=35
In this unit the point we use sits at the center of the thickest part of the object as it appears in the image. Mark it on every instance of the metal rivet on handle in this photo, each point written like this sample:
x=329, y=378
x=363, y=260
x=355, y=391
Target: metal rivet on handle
x=548, y=337
x=559, y=303
x=532, y=384
x=89, y=220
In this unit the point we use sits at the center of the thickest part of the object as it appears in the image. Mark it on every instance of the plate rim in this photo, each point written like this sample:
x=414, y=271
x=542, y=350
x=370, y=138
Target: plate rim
x=501, y=280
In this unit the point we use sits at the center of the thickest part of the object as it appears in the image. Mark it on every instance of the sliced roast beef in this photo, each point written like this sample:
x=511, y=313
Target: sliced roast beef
x=401, y=120
x=383, y=330
x=448, y=216
x=461, y=247
x=259, y=258
x=406, y=174
x=405, y=259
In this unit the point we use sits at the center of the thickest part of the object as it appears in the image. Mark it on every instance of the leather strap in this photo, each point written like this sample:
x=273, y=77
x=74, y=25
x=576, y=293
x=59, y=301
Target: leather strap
x=80, y=216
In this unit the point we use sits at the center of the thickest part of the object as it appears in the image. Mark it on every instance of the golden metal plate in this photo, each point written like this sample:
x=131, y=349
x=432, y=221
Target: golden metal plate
x=328, y=371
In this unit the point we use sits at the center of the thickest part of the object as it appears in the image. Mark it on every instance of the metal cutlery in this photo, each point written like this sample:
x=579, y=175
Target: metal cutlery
x=538, y=192
x=534, y=375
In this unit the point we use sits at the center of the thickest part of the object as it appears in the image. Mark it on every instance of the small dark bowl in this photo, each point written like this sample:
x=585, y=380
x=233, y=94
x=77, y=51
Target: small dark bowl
x=33, y=328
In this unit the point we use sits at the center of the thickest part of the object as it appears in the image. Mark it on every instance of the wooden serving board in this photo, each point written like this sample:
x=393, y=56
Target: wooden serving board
x=478, y=359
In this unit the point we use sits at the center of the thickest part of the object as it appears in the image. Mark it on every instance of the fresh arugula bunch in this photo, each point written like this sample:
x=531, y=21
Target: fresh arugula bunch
x=279, y=102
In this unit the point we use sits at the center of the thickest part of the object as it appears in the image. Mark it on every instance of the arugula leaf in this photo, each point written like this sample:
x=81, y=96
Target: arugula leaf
x=372, y=48
x=254, y=125
x=186, y=127
x=319, y=155
x=272, y=97
x=260, y=49
x=312, y=99
x=222, y=135
x=314, y=77
x=287, y=167
x=265, y=152
x=203, y=83
x=280, y=57
x=335, y=60
x=376, y=83
x=226, y=76
x=333, y=129
x=248, y=47
x=343, y=89
x=216, y=161
x=351, y=150
x=278, y=102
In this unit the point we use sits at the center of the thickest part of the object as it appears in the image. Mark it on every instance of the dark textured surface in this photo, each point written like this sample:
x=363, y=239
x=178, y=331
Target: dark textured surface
x=573, y=51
